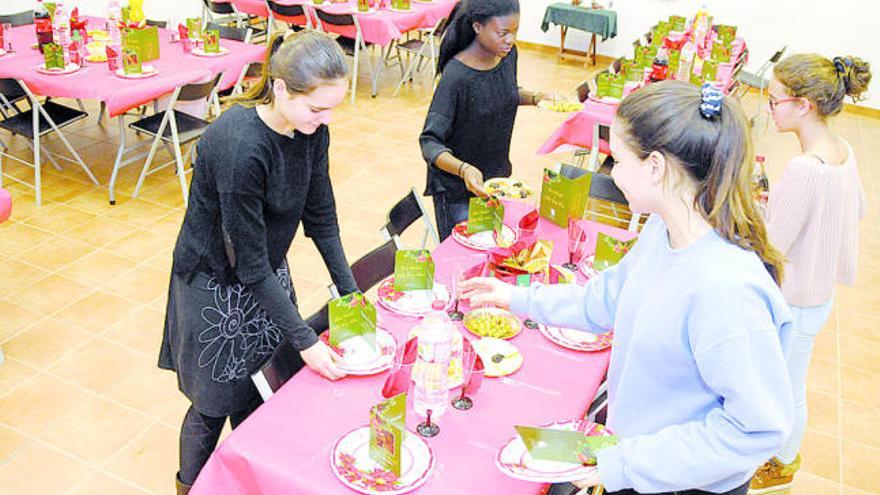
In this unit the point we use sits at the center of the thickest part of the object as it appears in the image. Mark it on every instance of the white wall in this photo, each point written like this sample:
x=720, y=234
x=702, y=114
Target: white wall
x=837, y=27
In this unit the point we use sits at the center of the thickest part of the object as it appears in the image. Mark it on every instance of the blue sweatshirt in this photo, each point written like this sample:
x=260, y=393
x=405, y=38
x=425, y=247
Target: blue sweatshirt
x=698, y=387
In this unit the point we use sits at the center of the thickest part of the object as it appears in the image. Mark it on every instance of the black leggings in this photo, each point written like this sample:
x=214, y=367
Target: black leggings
x=198, y=438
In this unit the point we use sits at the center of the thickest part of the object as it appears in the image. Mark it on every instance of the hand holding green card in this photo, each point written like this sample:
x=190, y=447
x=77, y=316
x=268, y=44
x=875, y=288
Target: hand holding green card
x=387, y=428
x=352, y=316
x=413, y=270
x=573, y=447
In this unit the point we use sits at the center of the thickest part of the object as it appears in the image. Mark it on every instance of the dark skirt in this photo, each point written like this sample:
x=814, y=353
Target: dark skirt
x=216, y=336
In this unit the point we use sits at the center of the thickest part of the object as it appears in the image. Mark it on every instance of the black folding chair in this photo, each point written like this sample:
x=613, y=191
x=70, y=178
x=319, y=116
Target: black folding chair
x=286, y=361
x=351, y=47
x=19, y=18
x=289, y=15
x=221, y=12
x=607, y=202
x=405, y=213
x=371, y=268
x=170, y=127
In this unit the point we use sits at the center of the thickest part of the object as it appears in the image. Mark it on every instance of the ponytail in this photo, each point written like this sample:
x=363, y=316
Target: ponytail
x=303, y=60
x=460, y=33
x=713, y=150
x=822, y=81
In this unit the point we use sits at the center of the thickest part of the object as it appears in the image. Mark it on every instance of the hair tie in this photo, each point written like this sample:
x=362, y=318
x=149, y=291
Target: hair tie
x=711, y=98
x=843, y=66
x=839, y=65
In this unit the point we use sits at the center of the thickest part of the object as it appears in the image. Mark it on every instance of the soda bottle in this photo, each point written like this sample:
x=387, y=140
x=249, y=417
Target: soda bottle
x=42, y=24
x=430, y=390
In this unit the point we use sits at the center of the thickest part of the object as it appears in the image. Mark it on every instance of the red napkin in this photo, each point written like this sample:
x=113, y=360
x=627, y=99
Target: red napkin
x=400, y=377
x=184, y=32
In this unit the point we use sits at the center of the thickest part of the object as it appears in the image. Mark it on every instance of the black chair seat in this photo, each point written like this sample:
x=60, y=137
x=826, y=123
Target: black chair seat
x=413, y=46
x=188, y=127
x=23, y=123
x=347, y=45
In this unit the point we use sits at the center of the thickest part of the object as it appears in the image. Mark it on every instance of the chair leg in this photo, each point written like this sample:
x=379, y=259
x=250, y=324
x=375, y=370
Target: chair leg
x=354, y=72
x=111, y=188
x=181, y=173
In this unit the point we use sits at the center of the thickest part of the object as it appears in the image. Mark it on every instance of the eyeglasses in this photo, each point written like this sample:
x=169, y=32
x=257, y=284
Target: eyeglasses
x=773, y=103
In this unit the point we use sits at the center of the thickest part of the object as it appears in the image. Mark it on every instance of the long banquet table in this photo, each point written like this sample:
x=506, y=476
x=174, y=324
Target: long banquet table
x=284, y=447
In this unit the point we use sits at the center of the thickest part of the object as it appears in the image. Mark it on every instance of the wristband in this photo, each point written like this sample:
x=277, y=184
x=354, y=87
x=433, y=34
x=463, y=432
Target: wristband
x=460, y=166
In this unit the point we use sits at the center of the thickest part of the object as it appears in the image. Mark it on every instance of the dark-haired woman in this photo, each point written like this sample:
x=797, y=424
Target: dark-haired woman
x=466, y=138
x=813, y=219
x=697, y=386
x=261, y=171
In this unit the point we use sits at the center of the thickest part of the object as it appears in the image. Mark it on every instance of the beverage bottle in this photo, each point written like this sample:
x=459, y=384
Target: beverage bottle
x=42, y=24
x=114, y=15
x=430, y=390
x=61, y=31
x=659, y=69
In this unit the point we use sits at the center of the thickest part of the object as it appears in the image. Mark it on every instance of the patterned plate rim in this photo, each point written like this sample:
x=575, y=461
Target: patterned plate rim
x=603, y=340
x=386, y=305
x=588, y=271
x=465, y=241
x=403, y=489
x=378, y=368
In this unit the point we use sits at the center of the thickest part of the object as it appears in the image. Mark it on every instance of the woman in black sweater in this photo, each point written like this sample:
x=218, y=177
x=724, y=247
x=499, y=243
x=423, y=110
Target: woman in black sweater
x=466, y=138
x=261, y=171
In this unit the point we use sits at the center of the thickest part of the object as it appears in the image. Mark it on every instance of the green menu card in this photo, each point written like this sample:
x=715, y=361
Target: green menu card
x=485, y=214
x=351, y=316
x=610, y=250
x=413, y=270
x=562, y=445
x=131, y=62
x=53, y=55
x=387, y=428
x=212, y=41
x=564, y=194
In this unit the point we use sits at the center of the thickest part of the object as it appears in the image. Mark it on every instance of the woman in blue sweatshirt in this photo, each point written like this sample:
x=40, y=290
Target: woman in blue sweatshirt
x=698, y=387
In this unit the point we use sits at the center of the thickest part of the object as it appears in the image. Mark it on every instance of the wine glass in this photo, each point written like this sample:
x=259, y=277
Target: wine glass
x=577, y=239
x=468, y=360
x=457, y=279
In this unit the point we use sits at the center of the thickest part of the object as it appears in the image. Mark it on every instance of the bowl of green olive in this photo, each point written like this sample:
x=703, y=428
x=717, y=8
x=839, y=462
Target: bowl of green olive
x=492, y=322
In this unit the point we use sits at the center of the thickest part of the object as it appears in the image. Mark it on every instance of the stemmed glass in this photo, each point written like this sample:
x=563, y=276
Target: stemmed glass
x=577, y=243
x=471, y=376
x=457, y=279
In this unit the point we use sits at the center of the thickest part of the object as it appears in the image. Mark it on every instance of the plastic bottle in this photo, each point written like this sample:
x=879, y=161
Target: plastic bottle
x=430, y=390
x=114, y=15
x=42, y=24
x=61, y=30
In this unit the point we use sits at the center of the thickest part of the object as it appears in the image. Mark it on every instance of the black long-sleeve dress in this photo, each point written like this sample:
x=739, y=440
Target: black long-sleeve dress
x=231, y=300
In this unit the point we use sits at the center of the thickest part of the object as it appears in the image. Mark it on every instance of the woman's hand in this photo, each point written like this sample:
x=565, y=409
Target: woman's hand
x=589, y=481
x=486, y=291
x=473, y=180
x=321, y=359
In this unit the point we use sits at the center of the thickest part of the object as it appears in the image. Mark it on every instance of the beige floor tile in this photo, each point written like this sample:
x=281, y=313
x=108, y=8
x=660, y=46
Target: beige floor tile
x=14, y=319
x=142, y=330
x=138, y=212
x=822, y=377
x=142, y=284
x=50, y=294
x=41, y=469
x=809, y=484
x=12, y=442
x=146, y=388
x=819, y=455
x=863, y=324
x=134, y=245
x=99, y=365
x=822, y=413
x=99, y=483
x=59, y=217
x=859, y=423
x=150, y=461
x=97, y=311
x=56, y=252
x=860, y=466
x=15, y=237
x=14, y=373
x=101, y=231
x=861, y=386
x=46, y=342
x=825, y=346
x=97, y=269
x=860, y=353
x=41, y=401
x=15, y=274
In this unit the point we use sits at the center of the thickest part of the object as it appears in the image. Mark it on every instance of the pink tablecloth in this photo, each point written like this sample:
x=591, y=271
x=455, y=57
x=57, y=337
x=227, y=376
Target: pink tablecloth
x=95, y=82
x=284, y=447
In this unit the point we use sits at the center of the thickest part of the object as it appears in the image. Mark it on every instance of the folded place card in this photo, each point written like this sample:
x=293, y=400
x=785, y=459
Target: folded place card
x=212, y=41
x=53, y=55
x=485, y=214
x=610, y=250
x=568, y=446
x=352, y=316
x=131, y=62
x=194, y=27
x=679, y=23
x=387, y=428
x=413, y=270
x=610, y=85
x=726, y=34
x=721, y=51
x=564, y=194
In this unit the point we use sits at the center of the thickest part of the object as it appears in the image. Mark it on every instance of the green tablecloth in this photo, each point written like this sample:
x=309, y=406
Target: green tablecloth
x=602, y=22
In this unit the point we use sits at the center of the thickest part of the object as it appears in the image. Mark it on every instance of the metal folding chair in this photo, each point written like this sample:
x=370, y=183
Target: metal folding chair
x=403, y=214
x=221, y=12
x=418, y=49
x=351, y=47
x=291, y=15
x=607, y=204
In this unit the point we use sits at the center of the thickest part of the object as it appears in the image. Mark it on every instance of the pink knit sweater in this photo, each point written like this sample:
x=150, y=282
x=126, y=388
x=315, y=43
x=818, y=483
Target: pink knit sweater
x=813, y=219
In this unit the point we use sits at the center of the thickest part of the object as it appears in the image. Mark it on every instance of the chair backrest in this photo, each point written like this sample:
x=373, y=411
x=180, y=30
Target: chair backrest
x=285, y=362
x=404, y=213
x=319, y=321
x=158, y=24
x=602, y=187
x=19, y=18
x=607, y=204
x=230, y=32
x=219, y=8
x=335, y=19
x=374, y=266
x=778, y=55
x=198, y=91
x=10, y=88
x=583, y=91
x=285, y=10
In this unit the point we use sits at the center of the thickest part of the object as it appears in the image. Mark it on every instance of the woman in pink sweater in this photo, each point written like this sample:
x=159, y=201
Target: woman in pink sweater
x=813, y=218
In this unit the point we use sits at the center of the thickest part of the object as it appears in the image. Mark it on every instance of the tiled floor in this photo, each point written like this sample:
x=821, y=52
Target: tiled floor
x=83, y=408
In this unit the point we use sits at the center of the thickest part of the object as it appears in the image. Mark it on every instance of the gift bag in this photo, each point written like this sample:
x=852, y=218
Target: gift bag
x=564, y=194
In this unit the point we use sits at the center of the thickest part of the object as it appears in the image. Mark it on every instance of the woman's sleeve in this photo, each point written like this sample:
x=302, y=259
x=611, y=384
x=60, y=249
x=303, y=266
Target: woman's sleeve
x=440, y=120
x=320, y=221
x=734, y=334
x=241, y=210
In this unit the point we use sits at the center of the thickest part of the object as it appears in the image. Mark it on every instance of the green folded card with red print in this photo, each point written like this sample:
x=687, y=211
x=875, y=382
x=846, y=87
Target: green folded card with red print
x=387, y=428
x=212, y=41
x=564, y=194
x=131, y=62
x=53, y=55
x=610, y=250
x=352, y=316
x=485, y=214
x=574, y=447
x=413, y=270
